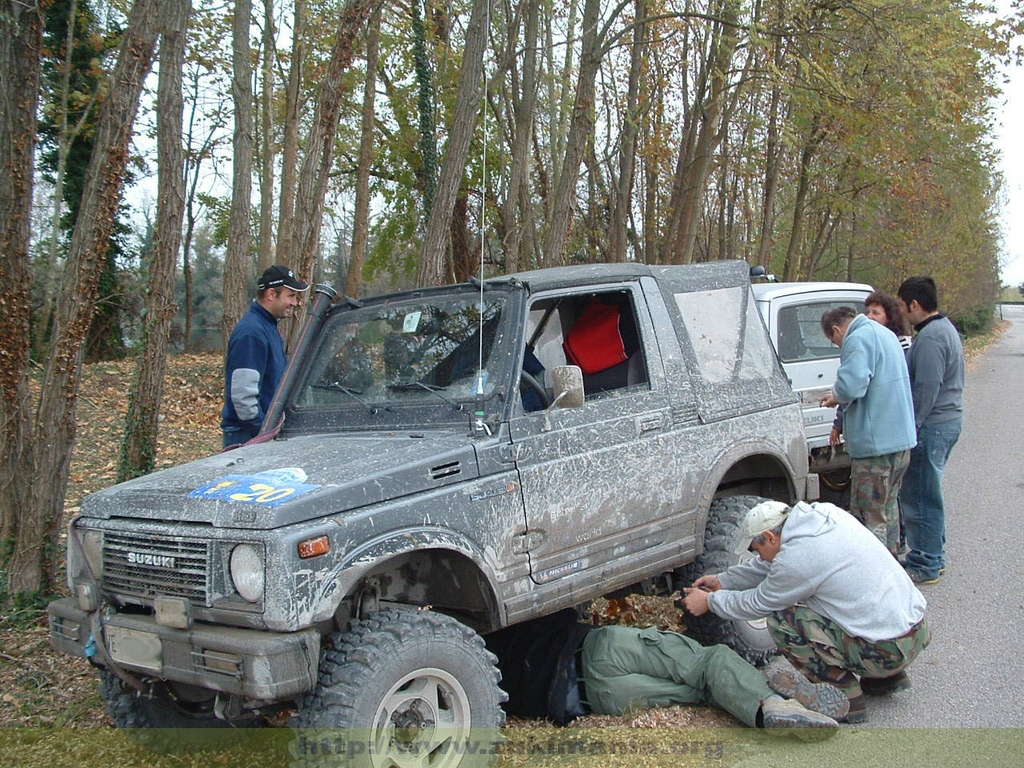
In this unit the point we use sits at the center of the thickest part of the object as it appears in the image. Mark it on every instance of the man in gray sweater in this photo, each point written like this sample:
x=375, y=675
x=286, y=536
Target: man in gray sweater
x=936, y=365
x=838, y=603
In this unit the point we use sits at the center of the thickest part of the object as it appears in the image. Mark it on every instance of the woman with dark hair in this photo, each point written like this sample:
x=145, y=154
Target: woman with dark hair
x=885, y=308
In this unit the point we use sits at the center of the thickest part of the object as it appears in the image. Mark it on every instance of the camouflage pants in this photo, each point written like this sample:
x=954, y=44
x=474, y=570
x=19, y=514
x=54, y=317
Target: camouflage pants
x=823, y=652
x=874, y=494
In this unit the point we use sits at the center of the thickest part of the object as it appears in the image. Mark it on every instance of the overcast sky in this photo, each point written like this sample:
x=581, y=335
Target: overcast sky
x=1011, y=143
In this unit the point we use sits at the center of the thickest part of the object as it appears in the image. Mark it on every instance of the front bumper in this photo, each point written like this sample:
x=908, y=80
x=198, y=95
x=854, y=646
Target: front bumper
x=247, y=662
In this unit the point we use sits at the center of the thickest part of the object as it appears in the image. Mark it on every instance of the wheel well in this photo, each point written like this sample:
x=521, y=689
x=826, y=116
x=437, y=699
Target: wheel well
x=447, y=581
x=758, y=475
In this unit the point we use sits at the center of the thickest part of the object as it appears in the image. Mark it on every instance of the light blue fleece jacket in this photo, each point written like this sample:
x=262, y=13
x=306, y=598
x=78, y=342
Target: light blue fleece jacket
x=835, y=566
x=873, y=383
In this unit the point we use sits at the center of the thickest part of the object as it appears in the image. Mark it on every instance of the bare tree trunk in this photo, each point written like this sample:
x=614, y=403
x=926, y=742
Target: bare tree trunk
x=361, y=216
x=237, y=270
x=31, y=566
x=65, y=137
x=563, y=204
x=290, y=145
x=793, y=267
x=426, y=96
x=518, y=199
x=464, y=250
x=772, y=168
x=702, y=138
x=193, y=165
x=138, y=447
x=654, y=119
x=266, y=257
x=21, y=42
x=316, y=165
x=433, y=266
x=622, y=191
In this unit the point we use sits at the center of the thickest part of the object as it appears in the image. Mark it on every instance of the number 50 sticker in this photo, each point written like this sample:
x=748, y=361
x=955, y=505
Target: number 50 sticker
x=249, y=489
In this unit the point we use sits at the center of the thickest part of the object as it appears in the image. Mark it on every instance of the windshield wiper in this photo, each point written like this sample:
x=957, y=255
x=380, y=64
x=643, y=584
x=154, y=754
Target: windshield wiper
x=336, y=386
x=433, y=389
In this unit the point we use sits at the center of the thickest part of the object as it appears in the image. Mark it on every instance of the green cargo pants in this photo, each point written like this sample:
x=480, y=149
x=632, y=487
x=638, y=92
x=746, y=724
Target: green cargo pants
x=626, y=668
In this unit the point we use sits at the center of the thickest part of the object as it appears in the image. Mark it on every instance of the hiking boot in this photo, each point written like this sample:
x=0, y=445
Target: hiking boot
x=823, y=698
x=883, y=686
x=790, y=717
x=921, y=578
x=858, y=712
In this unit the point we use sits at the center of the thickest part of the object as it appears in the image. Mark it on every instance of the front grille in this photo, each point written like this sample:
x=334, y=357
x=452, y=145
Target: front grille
x=146, y=566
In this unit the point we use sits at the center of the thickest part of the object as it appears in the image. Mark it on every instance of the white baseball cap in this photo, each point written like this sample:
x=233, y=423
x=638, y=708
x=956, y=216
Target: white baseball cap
x=763, y=517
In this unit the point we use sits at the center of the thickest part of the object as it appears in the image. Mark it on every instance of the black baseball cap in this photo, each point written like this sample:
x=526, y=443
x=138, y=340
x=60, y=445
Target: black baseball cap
x=276, y=276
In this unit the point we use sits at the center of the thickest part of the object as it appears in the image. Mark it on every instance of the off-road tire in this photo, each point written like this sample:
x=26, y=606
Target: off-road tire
x=171, y=718
x=402, y=687
x=750, y=639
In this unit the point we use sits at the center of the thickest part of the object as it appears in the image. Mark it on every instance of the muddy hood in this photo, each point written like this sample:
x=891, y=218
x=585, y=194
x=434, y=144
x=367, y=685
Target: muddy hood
x=256, y=487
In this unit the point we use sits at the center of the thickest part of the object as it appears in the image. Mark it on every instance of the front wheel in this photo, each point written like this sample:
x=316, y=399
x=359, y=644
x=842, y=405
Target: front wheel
x=402, y=688
x=748, y=638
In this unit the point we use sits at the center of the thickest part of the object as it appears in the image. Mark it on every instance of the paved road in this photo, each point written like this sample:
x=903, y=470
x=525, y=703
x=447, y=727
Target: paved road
x=966, y=707
x=972, y=674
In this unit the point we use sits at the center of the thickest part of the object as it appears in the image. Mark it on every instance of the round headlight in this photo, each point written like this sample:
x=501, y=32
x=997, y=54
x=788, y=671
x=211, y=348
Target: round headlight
x=247, y=571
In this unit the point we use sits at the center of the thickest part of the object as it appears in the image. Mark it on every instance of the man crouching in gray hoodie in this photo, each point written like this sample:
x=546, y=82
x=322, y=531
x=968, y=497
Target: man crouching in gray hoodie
x=838, y=604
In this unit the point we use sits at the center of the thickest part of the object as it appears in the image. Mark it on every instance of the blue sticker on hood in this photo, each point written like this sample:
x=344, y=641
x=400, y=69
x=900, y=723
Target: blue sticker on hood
x=252, y=489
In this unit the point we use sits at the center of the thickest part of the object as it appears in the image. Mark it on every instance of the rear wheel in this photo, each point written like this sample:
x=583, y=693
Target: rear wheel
x=748, y=638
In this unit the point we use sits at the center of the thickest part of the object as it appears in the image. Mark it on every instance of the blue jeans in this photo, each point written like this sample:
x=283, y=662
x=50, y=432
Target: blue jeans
x=924, y=512
x=239, y=435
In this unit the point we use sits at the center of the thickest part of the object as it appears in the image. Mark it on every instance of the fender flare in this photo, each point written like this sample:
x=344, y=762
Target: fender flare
x=354, y=566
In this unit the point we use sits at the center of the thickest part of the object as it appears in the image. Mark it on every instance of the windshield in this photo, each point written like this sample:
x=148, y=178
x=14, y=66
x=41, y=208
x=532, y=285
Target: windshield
x=428, y=352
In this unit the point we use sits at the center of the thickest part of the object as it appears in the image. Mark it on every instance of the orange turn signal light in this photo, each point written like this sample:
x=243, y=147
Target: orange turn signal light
x=321, y=545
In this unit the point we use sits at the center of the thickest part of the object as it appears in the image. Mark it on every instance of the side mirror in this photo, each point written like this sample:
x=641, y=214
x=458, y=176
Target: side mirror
x=568, y=383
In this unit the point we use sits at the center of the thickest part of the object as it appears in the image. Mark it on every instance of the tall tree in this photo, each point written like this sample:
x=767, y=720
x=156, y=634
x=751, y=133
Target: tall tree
x=21, y=43
x=74, y=78
x=361, y=215
x=623, y=189
x=564, y=203
x=266, y=239
x=290, y=142
x=138, y=447
x=518, y=200
x=426, y=97
x=319, y=157
x=702, y=134
x=30, y=567
x=433, y=267
x=237, y=269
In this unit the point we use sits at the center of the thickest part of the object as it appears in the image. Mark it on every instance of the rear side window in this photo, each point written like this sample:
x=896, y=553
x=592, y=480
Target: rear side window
x=726, y=335
x=799, y=331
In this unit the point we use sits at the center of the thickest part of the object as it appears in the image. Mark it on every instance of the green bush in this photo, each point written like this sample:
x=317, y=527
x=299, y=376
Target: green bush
x=977, y=322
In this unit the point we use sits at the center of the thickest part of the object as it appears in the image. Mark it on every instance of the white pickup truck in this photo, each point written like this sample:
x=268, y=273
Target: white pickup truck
x=792, y=312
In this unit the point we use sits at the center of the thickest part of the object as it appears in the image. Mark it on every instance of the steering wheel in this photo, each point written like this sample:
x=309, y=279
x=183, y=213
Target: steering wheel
x=528, y=383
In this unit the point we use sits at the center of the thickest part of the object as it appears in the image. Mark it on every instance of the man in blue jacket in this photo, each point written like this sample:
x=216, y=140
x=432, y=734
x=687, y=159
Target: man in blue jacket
x=255, y=360
x=873, y=384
